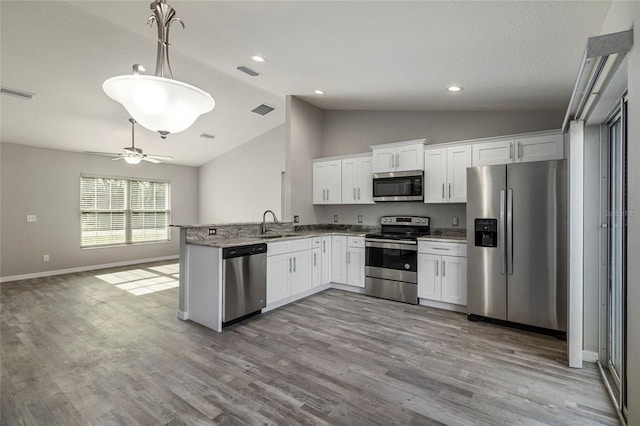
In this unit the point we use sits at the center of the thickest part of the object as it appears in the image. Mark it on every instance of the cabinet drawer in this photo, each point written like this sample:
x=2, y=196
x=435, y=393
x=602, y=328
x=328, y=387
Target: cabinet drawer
x=355, y=241
x=443, y=249
x=288, y=246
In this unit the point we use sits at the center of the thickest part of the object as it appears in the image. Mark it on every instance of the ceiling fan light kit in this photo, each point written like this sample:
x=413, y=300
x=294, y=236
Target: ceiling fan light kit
x=160, y=103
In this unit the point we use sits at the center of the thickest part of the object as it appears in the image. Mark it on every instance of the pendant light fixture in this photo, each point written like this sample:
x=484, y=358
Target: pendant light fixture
x=159, y=102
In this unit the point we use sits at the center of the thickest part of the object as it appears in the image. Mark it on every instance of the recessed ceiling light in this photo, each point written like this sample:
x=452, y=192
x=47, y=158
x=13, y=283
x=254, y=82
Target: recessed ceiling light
x=455, y=89
x=319, y=92
x=258, y=58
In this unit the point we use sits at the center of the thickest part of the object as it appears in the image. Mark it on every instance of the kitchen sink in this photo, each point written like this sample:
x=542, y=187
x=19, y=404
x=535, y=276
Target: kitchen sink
x=270, y=236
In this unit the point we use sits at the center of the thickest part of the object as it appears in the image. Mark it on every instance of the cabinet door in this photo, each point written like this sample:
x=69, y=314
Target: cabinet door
x=384, y=160
x=301, y=272
x=333, y=182
x=429, y=281
x=454, y=280
x=458, y=159
x=491, y=153
x=339, y=259
x=435, y=174
x=365, y=181
x=325, y=261
x=540, y=148
x=278, y=276
x=350, y=174
x=355, y=267
x=319, y=187
x=410, y=157
x=316, y=267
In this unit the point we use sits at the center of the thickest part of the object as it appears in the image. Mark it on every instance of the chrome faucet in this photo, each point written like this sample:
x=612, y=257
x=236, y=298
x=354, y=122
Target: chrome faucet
x=264, y=217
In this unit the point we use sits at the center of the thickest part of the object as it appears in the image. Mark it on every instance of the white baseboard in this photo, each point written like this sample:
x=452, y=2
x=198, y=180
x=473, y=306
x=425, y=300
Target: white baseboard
x=589, y=356
x=442, y=305
x=183, y=315
x=293, y=298
x=83, y=269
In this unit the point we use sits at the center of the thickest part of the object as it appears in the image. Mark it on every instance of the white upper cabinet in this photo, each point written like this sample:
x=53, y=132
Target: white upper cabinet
x=327, y=182
x=399, y=157
x=520, y=150
x=539, y=148
x=357, y=180
x=445, y=174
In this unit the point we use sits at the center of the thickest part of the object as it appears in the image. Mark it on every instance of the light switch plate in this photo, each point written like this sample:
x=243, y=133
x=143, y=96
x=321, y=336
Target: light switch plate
x=455, y=221
x=335, y=217
x=296, y=219
x=31, y=218
x=359, y=218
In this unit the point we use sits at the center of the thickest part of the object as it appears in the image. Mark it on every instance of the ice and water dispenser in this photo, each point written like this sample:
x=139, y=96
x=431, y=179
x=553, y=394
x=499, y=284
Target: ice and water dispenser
x=486, y=232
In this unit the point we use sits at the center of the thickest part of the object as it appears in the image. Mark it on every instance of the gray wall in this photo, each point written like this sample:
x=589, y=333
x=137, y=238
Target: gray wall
x=351, y=132
x=304, y=143
x=46, y=183
x=241, y=184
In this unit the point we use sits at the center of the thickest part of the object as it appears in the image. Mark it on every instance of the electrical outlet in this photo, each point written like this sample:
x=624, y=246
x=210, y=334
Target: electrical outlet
x=335, y=217
x=213, y=231
x=31, y=218
x=45, y=258
x=359, y=218
x=455, y=221
x=296, y=219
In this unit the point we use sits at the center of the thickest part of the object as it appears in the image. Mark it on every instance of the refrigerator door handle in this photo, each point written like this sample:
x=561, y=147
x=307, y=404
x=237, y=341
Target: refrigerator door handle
x=510, y=231
x=502, y=229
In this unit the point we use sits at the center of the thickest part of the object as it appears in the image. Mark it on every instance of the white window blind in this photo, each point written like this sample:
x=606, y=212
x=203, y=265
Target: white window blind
x=123, y=211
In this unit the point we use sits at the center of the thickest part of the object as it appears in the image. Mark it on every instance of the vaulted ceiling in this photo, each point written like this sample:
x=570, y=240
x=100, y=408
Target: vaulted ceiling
x=378, y=55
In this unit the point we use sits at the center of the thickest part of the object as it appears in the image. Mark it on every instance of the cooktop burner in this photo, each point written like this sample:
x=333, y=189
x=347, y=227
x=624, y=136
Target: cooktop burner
x=402, y=228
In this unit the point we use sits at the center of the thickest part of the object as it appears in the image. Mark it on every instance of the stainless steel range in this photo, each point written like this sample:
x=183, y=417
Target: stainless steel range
x=392, y=258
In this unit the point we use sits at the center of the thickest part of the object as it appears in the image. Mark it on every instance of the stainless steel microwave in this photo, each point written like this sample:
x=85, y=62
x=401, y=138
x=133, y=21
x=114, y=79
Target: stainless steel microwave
x=398, y=186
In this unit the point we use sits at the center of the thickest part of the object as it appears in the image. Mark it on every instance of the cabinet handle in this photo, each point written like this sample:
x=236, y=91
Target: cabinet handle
x=449, y=190
x=393, y=159
x=397, y=160
x=289, y=265
x=324, y=246
x=324, y=196
x=348, y=257
x=519, y=150
x=358, y=193
x=444, y=269
x=354, y=193
x=510, y=150
x=437, y=264
x=443, y=190
x=315, y=263
x=294, y=264
x=327, y=194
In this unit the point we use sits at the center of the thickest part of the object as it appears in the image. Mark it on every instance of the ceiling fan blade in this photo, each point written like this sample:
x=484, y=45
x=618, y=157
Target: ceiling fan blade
x=160, y=157
x=151, y=160
x=109, y=154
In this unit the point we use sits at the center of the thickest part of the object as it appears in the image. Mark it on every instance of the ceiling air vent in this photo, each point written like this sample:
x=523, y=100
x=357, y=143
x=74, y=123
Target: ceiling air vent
x=18, y=93
x=208, y=136
x=248, y=70
x=263, y=109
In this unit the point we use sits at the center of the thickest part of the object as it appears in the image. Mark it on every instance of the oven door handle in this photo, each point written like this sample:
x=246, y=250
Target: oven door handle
x=385, y=244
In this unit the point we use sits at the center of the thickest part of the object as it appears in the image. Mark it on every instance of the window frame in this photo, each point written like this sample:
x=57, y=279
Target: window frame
x=128, y=211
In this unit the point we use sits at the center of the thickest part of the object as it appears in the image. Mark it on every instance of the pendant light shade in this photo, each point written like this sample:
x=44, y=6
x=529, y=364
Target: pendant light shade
x=159, y=102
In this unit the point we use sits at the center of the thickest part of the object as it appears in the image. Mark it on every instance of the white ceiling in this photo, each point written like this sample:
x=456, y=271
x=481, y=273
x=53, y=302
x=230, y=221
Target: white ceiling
x=383, y=55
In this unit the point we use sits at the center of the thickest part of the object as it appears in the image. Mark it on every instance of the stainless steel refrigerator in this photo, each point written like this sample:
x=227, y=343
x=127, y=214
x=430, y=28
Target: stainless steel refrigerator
x=517, y=243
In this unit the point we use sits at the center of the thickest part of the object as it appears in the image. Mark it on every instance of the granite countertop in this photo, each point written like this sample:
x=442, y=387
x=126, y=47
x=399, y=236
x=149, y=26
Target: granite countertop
x=244, y=241
x=459, y=239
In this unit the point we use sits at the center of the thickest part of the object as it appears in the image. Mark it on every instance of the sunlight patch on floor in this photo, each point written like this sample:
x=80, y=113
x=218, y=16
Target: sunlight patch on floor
x=144, y=281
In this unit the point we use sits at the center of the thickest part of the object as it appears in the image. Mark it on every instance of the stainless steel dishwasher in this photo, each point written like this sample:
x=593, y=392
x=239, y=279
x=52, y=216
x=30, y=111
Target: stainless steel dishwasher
x=244, y=271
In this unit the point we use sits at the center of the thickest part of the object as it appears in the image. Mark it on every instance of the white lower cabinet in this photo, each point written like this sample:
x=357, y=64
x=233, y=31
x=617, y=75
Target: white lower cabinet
x=347, y=260
x=325, y=260
x=442, y=272
x=289, y=269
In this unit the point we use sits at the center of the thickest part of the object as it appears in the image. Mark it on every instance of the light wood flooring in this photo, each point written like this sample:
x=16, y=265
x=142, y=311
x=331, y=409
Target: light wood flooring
x=76, y=349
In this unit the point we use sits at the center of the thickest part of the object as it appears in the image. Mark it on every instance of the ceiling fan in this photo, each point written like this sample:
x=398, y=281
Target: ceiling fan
x=131, y=154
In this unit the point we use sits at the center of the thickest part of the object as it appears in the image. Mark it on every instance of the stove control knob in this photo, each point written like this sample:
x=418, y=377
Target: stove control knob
x=407, y=266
